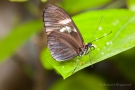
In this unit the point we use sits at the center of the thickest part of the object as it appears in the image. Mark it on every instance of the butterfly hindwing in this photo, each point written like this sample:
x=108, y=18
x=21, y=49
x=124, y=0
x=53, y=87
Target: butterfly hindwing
x=61, y=46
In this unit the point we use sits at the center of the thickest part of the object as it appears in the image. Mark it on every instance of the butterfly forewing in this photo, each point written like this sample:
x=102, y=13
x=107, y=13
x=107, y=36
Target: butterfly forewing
x=63, y=37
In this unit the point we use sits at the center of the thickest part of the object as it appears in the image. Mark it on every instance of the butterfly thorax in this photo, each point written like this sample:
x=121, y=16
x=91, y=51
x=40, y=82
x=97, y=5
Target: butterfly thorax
x=85, y=49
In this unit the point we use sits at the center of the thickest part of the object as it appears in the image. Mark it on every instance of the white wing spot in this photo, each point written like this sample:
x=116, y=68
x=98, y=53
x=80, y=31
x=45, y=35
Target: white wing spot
x=75, y=30
x=66, y=28
x=66, y=21
x=63, y=29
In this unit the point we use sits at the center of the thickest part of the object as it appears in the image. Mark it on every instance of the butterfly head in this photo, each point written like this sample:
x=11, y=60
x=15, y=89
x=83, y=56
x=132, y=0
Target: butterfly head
x=89, y=47
x=86, y=49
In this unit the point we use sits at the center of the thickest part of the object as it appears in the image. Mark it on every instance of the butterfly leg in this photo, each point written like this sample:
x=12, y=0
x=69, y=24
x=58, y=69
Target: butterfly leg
x=87, y=52
x=90, y=61
x=91, y=49
x=76, y=64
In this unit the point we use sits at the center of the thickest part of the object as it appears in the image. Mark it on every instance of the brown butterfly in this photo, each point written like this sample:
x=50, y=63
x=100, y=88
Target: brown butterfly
x=64, y=39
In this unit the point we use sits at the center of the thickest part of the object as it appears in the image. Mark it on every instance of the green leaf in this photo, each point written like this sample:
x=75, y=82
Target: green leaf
x=73, y=6
x=80, y=81
x=45, y=63
x=16, y=38
x=121, y=22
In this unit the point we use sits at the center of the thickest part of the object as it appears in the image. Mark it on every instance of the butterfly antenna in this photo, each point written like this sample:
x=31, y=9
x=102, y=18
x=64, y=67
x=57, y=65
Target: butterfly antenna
x=102, y=36
x=96, y=28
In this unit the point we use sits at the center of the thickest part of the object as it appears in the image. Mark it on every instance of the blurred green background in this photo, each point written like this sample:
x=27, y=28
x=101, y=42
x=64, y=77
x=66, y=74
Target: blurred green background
x=23, y=39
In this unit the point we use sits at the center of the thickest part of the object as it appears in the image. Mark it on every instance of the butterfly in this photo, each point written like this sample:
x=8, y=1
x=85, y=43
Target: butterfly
x=63, y=37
